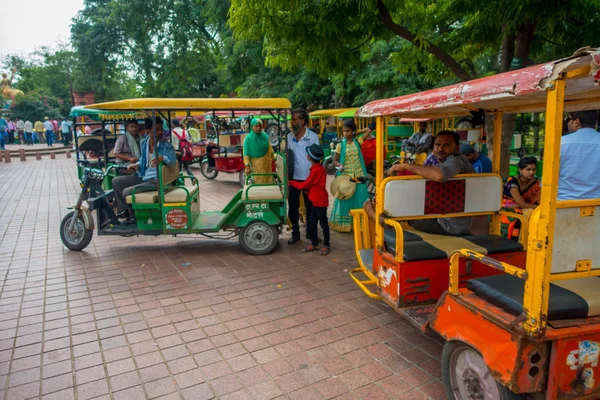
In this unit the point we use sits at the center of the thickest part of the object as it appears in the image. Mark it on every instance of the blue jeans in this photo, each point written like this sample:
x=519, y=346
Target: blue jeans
x=3, y=137
x=49, y=137
x=29, y=137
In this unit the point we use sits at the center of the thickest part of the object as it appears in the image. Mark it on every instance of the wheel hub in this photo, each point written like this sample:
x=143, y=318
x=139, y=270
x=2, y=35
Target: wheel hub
x=75, y=234
x=473, y=384
x=258, y=236
x=470, y=377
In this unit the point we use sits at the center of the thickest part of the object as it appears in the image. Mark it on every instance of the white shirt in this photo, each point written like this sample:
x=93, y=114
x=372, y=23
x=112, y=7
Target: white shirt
x=301, y=163
x=175, y=139
x=579, y=165
x=65, y=126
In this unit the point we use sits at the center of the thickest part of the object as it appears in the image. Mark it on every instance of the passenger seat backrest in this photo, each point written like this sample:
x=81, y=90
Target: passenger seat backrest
x=407, y=198
x=576, y=238
x=280, y=164
x=170, y=172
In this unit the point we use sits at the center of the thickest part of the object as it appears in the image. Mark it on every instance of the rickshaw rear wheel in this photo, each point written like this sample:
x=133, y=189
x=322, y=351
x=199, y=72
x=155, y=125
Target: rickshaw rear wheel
x=77, y=238
x=259, y=238
x=242, y=178
x=466, y=375
x=207, y=171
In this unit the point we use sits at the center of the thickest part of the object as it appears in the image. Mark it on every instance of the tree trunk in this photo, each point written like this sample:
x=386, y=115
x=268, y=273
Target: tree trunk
x=536, y=132
x=518, y=45
x=436, y=51
x=506, y=56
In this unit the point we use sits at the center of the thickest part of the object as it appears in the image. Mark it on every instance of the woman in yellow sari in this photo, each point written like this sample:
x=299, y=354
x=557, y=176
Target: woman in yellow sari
x=258, y=153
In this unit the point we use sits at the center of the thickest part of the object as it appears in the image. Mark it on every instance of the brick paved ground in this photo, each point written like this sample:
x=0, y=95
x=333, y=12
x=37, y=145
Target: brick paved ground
x=185, y=317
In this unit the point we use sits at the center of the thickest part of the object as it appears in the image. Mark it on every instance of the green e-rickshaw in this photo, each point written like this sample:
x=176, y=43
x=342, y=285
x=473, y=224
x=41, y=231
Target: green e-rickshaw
x=256, y=214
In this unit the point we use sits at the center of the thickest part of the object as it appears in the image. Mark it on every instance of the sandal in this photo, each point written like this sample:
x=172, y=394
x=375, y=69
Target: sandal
x=324, y=250
x=310, y=247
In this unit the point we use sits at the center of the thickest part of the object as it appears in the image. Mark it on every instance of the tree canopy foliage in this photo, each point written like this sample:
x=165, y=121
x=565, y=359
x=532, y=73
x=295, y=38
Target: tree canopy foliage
x=319, y=54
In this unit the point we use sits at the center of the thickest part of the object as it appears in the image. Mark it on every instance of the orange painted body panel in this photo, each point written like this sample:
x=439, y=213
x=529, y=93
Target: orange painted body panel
x=574, y=371
x=509, y=354
x=421, y=282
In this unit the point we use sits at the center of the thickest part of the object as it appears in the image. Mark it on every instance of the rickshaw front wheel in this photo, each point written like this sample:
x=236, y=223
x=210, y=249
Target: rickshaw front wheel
x=242, y=178
x=259, y=238
x=78, y=237
x=467, y=376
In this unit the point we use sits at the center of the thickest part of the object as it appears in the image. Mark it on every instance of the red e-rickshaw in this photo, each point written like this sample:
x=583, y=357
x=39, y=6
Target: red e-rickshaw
x=521, y=319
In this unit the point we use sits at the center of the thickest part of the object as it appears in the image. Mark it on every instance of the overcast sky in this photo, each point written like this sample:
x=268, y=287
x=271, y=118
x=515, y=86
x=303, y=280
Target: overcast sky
x=28, y=24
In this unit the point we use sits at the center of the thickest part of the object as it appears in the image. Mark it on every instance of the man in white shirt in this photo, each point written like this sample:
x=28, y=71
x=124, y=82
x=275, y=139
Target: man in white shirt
x=29, y=132
x=177, y=134
x=20, y=130
x=65, y=129
x=297, y=141
x=579, y=161
x=49, y=128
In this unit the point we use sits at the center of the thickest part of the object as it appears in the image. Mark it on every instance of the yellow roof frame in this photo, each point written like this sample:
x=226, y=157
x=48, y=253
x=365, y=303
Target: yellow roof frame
x=194, y=104
x=329, y=112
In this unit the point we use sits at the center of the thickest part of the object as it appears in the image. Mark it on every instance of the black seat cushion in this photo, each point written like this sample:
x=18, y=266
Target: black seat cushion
x=506, y=291
x=495, y=244
x=421, y=250
x=416, y=249
x=389, y=237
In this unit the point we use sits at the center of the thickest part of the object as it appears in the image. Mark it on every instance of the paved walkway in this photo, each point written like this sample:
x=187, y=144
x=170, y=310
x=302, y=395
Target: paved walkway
x=187, y=317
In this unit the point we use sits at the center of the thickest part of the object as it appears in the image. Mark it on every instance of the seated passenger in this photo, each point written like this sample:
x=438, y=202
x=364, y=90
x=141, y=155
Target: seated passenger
x=579, y=162
x=521, y=195
x=127, y=146
x=422, y=139
x=480, y=161
x=451, y=163
x=147, y=170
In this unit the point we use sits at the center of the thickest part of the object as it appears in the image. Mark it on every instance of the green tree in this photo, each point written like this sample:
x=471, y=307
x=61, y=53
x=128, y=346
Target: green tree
x=459, y=39
x=36, y=105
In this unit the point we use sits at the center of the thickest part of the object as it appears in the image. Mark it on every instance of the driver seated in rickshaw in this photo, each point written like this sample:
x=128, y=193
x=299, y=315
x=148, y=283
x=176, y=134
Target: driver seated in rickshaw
x=451, y=163
x=421, y=139
x=146, y=176
x=127, y=147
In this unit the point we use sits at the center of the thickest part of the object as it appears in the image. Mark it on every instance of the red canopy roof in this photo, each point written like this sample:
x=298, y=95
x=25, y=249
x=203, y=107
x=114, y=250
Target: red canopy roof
x=517, y=91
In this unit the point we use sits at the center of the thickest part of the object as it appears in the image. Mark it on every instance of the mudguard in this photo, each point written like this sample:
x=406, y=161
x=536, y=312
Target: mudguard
x=88, y=219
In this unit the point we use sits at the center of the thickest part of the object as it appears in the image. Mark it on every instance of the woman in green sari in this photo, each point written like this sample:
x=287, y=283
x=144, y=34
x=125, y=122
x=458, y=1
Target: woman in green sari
x=258, y=153
x=349, y=161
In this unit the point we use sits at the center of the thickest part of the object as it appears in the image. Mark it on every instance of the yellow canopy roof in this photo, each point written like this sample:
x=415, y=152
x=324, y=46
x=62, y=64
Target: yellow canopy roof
x=193, y=104
x=329, y=113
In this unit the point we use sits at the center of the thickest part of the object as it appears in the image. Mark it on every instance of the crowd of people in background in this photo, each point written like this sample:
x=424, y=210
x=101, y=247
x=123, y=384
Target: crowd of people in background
x=26, y=132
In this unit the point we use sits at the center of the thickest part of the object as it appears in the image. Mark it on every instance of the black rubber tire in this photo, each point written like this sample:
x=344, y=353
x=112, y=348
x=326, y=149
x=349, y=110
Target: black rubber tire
x=328, y=165
x=87, y=234
x=270, y=245
x=204, y=169
x=242, y=178
x=449, y=348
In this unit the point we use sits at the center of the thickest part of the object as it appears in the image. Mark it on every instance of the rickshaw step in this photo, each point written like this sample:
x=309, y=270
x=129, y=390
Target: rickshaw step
x=419, y=315
x=120, y=230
